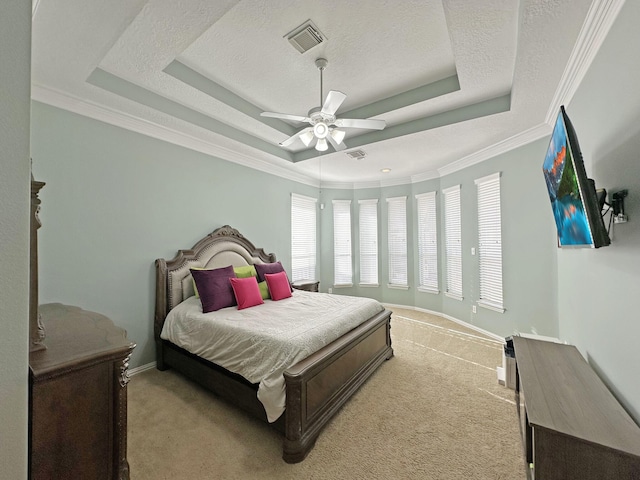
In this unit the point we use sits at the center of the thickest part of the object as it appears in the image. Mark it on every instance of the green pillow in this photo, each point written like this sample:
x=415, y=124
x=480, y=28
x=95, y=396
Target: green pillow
x=195, y=288
x=264, y=290
x=245, y=271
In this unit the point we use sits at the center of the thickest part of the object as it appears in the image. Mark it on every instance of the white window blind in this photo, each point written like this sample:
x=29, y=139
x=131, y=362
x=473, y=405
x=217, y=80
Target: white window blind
x=397, y=239
x=490, y=242
x=368, y=218
x=303, y=237
x=453, y=241
x=342, y=270
x=427, y=242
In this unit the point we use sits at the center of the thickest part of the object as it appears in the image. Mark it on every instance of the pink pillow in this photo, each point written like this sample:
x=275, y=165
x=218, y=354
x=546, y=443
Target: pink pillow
x=278, y=284
x=246, y=292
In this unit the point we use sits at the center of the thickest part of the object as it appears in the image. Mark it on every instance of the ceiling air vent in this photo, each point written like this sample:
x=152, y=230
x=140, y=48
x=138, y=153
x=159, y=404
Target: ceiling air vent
x=357, y=154
x=305, y=37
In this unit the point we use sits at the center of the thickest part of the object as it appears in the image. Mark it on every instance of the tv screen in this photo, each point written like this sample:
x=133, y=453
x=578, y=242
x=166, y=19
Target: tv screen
x=573, y=196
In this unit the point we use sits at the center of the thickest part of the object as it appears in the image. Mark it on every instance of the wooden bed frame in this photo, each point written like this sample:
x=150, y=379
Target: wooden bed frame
x=316, y=387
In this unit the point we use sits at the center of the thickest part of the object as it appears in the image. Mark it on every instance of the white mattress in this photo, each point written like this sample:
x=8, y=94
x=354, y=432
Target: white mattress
x=261, y=342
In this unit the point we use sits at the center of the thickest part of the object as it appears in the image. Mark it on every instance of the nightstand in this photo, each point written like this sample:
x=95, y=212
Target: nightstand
x=308, y=285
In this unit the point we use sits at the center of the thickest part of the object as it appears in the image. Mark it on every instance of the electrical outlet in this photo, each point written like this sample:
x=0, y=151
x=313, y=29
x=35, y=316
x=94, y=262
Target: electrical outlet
x=331, y=290
x=474, y=309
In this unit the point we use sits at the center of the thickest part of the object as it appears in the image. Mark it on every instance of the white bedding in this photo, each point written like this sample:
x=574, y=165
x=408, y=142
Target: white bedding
x=261, y=342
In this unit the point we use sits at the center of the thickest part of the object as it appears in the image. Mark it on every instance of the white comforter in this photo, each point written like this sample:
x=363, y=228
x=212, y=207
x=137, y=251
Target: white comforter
x=261, y=342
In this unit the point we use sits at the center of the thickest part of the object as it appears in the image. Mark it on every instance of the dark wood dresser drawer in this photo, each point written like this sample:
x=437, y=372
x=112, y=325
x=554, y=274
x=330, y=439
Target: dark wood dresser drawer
x=78, y=397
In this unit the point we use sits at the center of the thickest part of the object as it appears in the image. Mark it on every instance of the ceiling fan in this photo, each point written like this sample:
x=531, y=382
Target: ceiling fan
x=324, y=124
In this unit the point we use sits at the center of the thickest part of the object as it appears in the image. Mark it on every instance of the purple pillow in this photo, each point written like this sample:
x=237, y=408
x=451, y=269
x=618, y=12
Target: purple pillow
x=263, y=268
x=215, y=288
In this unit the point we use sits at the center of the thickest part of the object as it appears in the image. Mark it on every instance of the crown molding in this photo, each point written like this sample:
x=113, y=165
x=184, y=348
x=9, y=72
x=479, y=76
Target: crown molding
x=599, y=20
x=393, y=182
x=496, y=149
x=114, y=117
x=341, y=185
x=423, y=177
x=34, y=8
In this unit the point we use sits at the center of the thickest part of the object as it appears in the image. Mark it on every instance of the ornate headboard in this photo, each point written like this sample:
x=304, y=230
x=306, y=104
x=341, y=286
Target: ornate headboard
x=224, y=246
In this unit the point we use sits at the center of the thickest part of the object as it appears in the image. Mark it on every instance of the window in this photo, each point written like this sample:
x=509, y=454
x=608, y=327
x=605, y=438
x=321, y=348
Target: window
x=303, y=237
x=397, y=211
x=427, y=243
x=453, y=241
x=490, y=242
x=342, y=270
x=369, y=242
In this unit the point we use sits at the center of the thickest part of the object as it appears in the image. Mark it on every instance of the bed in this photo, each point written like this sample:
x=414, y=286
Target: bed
x=315, y=387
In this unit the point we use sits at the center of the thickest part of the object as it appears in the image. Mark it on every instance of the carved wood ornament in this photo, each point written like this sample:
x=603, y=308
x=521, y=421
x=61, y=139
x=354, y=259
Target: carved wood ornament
x=36, y=329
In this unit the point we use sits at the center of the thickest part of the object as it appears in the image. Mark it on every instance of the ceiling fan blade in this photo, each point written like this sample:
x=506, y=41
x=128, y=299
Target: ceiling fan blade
x=338, y=146
x=285, y=116
x=294, y=137
x=332, y=102
x=361, y=123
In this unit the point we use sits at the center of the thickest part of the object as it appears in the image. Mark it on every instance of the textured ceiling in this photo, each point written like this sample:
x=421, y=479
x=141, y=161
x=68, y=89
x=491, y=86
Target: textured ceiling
x=455, y=80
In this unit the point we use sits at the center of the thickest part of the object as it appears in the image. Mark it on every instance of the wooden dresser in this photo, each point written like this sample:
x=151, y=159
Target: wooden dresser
x=573, y=427
x=78, y=397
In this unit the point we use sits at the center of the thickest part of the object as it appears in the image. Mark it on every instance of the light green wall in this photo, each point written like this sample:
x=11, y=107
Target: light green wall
x=599, y=289
x=382, y=292
x=15, y=79
x=116, y=200
x=529, y=245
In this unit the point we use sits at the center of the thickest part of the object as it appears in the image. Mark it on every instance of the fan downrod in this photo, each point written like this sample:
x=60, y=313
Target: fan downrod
x=321, y=63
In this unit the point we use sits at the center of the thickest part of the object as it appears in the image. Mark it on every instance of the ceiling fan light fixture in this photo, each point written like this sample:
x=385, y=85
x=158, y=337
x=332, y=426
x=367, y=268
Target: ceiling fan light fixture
x=322, y=145
x=338, y=135
x=322, y=120
x=306, y=138
x=321, y=130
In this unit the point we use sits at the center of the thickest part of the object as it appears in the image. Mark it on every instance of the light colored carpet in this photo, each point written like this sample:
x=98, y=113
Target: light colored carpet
x=434, y=411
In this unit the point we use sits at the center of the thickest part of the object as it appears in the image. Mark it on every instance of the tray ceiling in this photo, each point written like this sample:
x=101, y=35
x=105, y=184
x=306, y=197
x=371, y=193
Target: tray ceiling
x=456, y=81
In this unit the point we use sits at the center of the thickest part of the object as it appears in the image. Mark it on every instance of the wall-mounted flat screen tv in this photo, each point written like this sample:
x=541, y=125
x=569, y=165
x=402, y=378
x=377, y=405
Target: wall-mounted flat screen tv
x=573, y=196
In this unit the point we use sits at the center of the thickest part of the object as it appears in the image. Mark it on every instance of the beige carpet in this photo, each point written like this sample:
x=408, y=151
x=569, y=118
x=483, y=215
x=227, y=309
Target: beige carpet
x=434, y=411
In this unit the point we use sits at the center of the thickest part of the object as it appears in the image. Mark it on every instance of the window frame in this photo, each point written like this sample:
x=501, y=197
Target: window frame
x=453, y=242
x=427, y=222
x=342, y=245
x=397, y=242
x=491, y=292
x=368, y=235
x=304, y=264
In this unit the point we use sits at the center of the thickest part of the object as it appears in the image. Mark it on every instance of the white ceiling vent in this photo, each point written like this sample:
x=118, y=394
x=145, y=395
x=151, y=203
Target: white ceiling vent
x=357, y=154
x=305, y=37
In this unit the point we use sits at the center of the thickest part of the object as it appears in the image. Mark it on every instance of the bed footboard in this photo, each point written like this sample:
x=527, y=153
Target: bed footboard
x=319, y=385
x=316, y=387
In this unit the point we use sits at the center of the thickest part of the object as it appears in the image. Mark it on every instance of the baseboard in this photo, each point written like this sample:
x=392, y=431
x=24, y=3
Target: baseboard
x=142, y=368
x=453, y=319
